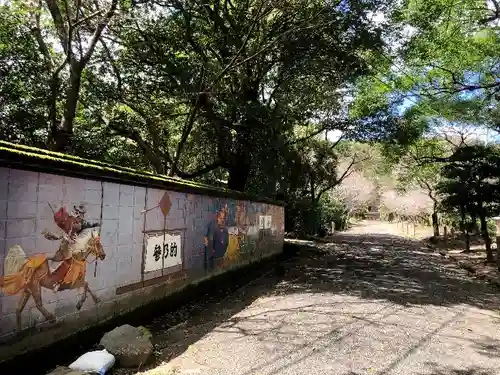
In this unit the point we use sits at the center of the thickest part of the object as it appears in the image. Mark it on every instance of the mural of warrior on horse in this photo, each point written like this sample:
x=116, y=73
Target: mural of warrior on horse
x=27, y=275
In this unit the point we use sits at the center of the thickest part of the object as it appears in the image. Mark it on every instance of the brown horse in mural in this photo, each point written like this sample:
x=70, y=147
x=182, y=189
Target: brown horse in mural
x=34, y=273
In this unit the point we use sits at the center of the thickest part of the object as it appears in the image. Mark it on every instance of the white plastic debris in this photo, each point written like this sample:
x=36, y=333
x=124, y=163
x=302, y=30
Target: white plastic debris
x=99, y=361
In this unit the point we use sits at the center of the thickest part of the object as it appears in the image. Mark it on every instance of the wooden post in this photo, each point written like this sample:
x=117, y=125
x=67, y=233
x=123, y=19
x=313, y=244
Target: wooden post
x=407, y=228
x=497, y=223
x=445, y=229
x=498, y=252
x=414, y=229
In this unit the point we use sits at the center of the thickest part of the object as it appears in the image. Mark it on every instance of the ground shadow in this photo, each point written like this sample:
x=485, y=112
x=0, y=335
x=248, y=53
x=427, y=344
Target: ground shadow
x=167, y=319
x=488, y=347
x=438, y=369
x=371, y=266
x=175, y=332
x=457, y=242
x=381, y=266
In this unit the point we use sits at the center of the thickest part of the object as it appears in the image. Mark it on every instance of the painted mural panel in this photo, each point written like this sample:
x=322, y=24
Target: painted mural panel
x=68, y=245
x=163, y=250
x=28, y=276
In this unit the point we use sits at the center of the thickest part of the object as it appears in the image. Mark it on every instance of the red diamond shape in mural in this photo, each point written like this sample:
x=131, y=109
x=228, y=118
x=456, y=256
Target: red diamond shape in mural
x=165, y=204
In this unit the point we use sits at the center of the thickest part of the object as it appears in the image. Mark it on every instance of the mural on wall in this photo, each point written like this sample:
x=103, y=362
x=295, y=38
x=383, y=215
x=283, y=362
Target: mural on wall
x=27, y=275
x=236, y=231
x=216, y=238
x=55, y=227
x=163, y=249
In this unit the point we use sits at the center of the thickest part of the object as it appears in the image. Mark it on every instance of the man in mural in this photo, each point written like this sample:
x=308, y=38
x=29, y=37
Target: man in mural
x=216, y=238
x=72, y=226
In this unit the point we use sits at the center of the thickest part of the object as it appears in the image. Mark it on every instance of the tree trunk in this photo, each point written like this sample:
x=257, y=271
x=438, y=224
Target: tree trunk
x=435, y=224
x=467, y=241
x=238, y=176
x=475, y=228
x=486, y=237
x=498, y=253
x=62, y=138
x=465, y=229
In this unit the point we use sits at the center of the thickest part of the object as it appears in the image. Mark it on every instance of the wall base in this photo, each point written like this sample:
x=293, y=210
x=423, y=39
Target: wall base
x=19, y=357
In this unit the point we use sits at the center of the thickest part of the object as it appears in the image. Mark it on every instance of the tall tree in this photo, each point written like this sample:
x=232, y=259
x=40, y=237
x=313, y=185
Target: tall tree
x=472, y=184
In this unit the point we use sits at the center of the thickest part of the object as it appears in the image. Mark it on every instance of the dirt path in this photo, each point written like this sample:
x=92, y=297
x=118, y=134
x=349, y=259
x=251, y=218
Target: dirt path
x=369, y=302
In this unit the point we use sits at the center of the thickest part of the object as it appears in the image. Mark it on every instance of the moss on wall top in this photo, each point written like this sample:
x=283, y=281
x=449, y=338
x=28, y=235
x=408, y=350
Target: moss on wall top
x=32, y=158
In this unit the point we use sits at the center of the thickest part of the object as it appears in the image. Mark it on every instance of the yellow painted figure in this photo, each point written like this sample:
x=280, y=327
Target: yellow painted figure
x=237, y=235
x=233, y=247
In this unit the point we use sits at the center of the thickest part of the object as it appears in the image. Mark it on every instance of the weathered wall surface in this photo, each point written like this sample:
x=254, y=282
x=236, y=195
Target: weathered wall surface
x=75, y=252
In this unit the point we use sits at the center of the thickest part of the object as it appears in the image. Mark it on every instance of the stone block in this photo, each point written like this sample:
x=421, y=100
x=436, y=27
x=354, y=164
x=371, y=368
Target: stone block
x=126, y=196
x=93, y=212
x=153, y=275
x=125, y=238
x=4, y=183
x=111, y=194
x=3, y=209
x=73, y=191
x=50, y=194
x=126, y=216
x=23, y=192
x=93, y=185
x=106, y=295
x=7, y=324
x=9, y=304
x=155, y=221
x=124, y=262
x=125, y=303
x=105, y=275
x=65, y=307
x=138, y=228
x=18, y=176
x=93, y=197
x=109, y=233
x=21, y=210
x=50, y=179
x=110, y=212
x=105, y=311
x=140, y=196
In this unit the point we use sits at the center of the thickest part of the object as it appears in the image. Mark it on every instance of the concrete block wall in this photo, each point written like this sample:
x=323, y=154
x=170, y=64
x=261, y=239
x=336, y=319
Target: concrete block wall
x=124, y=216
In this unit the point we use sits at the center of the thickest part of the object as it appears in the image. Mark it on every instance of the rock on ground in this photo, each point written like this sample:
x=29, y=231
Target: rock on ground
x=131, y=346
x=65, y=371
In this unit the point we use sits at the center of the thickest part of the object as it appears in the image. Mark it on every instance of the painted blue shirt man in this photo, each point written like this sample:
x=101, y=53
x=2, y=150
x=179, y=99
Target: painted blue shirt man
x=216, y=238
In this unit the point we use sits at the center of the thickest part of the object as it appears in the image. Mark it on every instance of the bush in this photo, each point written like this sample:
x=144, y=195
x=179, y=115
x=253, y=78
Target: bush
x=305, y=218
x=492, y=228
x=333, y=211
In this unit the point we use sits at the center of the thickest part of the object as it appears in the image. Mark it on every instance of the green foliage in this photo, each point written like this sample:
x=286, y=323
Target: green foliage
x=471, y=188
x=471, y=180
x=23, y=86
x=236, y=94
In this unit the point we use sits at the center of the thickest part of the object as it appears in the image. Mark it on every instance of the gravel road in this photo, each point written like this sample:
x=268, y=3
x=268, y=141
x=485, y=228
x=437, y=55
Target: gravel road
x=368, y=302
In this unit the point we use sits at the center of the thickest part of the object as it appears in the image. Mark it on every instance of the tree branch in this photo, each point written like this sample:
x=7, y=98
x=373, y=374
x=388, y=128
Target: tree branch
x=61, y=30
x=188, y=125
x=208, y=168
x=37, y=33
x=348, y=171
x=98, y=31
